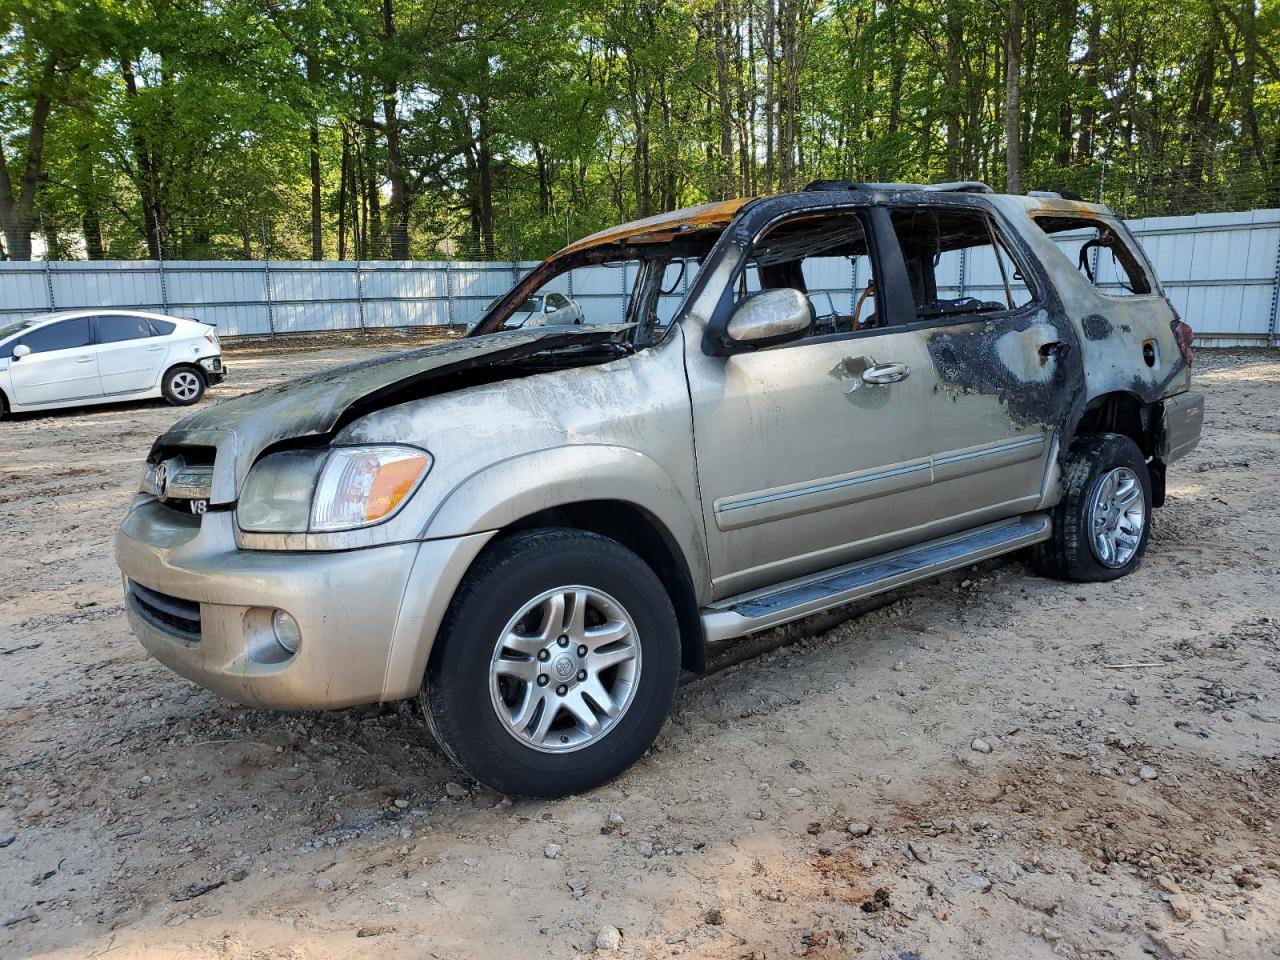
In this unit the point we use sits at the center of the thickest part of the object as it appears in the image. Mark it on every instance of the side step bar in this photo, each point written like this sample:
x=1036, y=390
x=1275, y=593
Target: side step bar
x=762, y=609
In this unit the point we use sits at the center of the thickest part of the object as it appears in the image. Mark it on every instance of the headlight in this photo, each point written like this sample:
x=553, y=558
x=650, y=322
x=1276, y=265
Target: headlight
x=341, y=488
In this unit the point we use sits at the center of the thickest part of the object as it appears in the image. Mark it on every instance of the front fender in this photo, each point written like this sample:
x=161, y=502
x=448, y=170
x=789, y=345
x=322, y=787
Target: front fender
x=505, y=492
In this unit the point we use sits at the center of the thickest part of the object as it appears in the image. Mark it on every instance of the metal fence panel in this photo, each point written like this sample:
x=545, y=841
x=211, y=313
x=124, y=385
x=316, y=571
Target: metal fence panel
x=1222, y=272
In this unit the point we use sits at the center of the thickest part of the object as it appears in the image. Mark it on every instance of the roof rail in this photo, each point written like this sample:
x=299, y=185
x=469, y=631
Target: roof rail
x=1056, y=195
x=958, y=186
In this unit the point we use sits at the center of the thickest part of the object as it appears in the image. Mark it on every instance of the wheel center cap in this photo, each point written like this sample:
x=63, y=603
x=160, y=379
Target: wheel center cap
x=564, y=666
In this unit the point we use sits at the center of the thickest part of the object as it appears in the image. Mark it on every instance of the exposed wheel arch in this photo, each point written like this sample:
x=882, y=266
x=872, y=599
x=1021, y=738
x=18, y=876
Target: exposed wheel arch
x=4, y=404
x=643, y=534
x=1124, y=413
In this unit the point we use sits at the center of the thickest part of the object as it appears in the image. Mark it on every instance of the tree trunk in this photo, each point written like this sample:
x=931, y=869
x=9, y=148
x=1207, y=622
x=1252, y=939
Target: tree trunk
x=342, y=194
x=723, y=185
x=317, y=237
x=154, y=218
x=770, y=92
x=955, y=40
x=399, y=208
x=1088, y=110
x=17, y=213
x=484, y=169
x=314, y=82
x=1013, y=98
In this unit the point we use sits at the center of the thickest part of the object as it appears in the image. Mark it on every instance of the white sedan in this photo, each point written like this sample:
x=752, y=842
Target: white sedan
x=545, y=310
x=80, y=357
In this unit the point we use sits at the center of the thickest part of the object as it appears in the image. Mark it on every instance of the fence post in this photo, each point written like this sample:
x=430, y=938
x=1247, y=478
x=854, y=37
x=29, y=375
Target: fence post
x=48, y=269
x=448, y=291
x=853, y=284
x=49, y=283
x=271, y=313
x=164, y=294
x=1275, y=298
x=360, y=295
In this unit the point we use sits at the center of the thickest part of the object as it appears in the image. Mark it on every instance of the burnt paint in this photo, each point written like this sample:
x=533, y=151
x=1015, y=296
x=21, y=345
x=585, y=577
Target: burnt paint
x=243, y=427
x=1038, y=379
x=1096, y=326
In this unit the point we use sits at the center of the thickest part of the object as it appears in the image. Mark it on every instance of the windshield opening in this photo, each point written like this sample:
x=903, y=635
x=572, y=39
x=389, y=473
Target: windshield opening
x=639, y=283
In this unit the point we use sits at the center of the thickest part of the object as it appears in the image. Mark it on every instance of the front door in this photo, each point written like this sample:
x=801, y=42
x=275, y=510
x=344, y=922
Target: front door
x=803, y=462
x=816, y=451
x=61, y=366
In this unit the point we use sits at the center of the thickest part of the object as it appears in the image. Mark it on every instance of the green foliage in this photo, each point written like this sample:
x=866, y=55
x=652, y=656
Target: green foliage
x=184, y=128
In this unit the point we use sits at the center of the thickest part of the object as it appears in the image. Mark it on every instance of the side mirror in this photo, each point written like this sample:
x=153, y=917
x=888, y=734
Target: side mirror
x=20, y=351
x=770, y=317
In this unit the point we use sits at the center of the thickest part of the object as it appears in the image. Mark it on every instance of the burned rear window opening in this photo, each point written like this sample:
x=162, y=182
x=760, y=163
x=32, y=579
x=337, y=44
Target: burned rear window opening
x=1130, y=276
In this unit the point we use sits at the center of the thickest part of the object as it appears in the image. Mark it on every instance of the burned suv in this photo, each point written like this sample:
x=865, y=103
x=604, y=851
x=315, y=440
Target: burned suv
x=770, y=408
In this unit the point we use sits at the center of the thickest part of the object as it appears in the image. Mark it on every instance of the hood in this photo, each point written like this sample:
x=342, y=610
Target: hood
x=241, y=428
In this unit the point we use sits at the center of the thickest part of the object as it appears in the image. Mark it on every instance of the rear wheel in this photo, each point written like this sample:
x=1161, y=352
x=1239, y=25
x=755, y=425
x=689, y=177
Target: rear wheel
x=556, y=664
x=183, y=386
x=1103, y=523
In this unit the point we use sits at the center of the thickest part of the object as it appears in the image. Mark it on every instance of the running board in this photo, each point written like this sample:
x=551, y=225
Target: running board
x=761, y=609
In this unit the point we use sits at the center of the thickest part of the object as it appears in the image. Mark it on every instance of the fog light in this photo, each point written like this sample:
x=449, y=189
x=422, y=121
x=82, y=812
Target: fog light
x=287, y=633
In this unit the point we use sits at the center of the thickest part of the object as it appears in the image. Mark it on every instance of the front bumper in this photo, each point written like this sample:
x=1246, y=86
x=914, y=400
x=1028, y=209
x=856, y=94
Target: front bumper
x=204, y=609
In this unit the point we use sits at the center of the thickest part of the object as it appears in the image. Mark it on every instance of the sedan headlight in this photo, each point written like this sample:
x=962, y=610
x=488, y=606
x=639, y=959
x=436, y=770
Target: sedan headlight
x=327, y=490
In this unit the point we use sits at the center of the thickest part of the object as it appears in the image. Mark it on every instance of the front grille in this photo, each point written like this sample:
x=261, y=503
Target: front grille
x=170, y=614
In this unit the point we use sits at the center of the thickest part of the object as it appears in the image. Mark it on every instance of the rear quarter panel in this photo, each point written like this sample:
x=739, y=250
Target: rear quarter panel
x=1112, y=329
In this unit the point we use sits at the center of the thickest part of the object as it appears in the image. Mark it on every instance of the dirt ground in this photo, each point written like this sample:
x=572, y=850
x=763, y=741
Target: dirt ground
x=1127, y=807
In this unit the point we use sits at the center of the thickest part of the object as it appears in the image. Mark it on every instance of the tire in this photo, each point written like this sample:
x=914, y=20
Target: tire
x=4, y=405
x=488, y=724
x=1072, y=553
x=183, y=385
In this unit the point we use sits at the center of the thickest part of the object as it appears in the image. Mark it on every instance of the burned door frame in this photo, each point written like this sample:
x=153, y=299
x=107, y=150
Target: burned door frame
x=1014, y=379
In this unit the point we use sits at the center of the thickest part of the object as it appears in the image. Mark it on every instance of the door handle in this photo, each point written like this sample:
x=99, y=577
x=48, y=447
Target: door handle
x=84, y=359
x=885, y=373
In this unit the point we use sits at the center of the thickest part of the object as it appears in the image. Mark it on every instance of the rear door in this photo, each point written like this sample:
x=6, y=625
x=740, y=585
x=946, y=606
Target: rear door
x=61, y=367
x=130, y=354
x=1005, y=360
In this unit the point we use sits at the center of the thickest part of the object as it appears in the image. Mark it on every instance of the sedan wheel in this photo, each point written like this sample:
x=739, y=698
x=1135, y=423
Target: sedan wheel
x=183, y=386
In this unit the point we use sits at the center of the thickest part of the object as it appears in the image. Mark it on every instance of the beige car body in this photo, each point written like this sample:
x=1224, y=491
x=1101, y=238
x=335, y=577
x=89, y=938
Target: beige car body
x=761, y=485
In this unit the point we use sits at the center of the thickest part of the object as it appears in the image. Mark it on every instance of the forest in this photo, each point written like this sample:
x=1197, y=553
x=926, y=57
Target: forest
x=471, y=129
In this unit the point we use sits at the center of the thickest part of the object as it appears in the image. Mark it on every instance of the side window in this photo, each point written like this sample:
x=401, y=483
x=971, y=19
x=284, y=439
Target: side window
x=958, y=263
x=1100, y=253
x=824, y=255
x=113, y=328
x=59, y=336
x=163, y=327
x=556, y=301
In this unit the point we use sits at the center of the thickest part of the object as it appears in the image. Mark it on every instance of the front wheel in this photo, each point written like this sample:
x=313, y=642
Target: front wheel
x=1103, y=522
x=183, y=386
x=556, y=664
